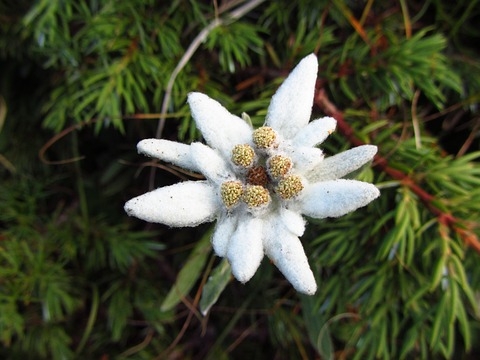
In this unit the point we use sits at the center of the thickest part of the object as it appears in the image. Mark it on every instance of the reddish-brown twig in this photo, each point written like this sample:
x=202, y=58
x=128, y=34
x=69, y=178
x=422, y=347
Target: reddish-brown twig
x=381, y=163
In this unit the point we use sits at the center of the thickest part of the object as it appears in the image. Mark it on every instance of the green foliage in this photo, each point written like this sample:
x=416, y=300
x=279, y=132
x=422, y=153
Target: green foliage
x=215, y=286
x=234, y=42
x=397, y=67
x=189, y=274
x=78, y=279
x=414, y=287
x=46, y=262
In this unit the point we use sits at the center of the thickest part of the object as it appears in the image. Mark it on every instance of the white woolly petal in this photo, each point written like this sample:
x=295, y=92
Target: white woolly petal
x=210, y=163
x=220, y=129
x=170, y=151
x=184, y=204
x=293, y=221
x=245, y=249
x=224, y=230
x=315, y=132
x=306, y=158
x=336, y=197
x=286, y=251
x=291, y=106
x=341, y=164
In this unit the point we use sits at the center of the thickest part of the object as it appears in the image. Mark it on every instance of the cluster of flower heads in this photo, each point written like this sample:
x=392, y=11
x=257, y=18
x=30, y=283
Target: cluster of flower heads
x=264, y=171
x=259, y=182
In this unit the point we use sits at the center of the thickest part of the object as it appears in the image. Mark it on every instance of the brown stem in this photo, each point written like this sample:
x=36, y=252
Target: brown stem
x=381, y=163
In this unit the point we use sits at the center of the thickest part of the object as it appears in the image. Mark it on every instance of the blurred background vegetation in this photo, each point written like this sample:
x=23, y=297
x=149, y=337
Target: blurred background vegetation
x=81, y=82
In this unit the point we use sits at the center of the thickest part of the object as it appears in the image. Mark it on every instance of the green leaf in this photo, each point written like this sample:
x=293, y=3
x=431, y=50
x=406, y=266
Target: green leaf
x=382, y=340
x=215, y=285
x=439, y=323
x=438, y=272
x=464, y=326
x=409, y=342
x=324, y=343
x=317, y=327
x=119, y=310
x=189, y=274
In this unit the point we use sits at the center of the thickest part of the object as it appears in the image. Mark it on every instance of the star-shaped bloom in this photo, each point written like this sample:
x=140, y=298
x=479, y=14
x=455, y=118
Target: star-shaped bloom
x=259, y=182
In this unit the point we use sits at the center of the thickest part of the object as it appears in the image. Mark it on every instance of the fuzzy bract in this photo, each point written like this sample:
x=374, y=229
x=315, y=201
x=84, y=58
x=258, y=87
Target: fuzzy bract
x=259, y=183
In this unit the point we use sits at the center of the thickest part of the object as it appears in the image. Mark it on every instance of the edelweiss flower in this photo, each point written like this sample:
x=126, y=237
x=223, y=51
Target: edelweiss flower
x=259, y=182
